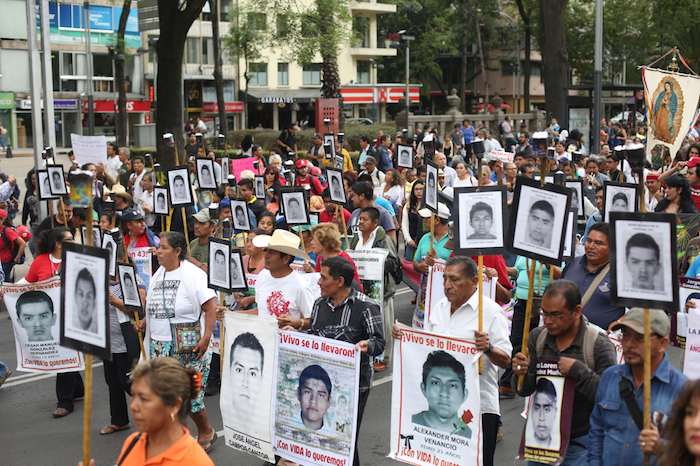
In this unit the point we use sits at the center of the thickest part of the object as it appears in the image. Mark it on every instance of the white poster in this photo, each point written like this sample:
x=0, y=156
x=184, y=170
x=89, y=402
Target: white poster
x=672, y=100
x=142, y=260
x=35, y=312
x=435, y=401
x=370, y=269
x=89, y=149
x=691, y=367
x=246, y=383
x=315, y=399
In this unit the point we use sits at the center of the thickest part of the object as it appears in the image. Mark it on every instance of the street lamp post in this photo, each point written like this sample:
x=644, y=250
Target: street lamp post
x=408, y=40
x=375, y=66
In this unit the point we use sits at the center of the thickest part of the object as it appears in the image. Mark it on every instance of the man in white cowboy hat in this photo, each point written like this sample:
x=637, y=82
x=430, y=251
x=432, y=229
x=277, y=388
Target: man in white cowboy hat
x=280, y=291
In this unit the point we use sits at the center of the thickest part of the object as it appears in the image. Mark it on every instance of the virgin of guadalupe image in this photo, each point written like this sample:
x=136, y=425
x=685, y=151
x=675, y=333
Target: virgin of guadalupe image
x=665, y=112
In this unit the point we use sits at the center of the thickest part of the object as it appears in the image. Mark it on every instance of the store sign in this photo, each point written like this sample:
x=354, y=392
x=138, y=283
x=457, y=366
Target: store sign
x=107, y=106
x=101, y=18
x=7, y=100
x=231, y=107
x=65, y=104
x=277, y=100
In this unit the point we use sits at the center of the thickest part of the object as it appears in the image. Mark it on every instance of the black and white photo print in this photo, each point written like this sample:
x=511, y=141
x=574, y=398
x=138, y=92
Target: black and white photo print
x=179, y=186
x=219, y=271
x=480, y=220
x=241, y=218
x=57, y=181
x=296, y=211
x=206, y=176
x=335, y=186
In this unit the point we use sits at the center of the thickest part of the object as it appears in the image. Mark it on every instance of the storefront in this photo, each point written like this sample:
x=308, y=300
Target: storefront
x=105, y=116
x=371, y=101
x=7, y=105
x=233, y=113
x=66, y=121
x=277, y=109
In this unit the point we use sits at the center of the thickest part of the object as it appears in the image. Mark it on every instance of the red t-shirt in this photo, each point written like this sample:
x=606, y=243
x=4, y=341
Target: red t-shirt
x=42, y=269
x=695, y=192
x=325, y=217
x=316, y=186
x=319, y=261
x=5, y=252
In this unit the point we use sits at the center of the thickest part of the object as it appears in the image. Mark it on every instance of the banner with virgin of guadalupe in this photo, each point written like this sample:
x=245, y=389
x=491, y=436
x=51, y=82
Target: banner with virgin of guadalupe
x=672, y=100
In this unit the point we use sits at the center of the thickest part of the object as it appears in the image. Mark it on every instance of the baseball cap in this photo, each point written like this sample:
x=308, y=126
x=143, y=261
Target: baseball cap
x=3, y=214
x=225, y=202
x=24, y=232
x=301, y=163
x=131, y=214
x=564, y=159
x=443, y=212
x=202, y=216
x=634, y=319
x=693, y=162
x=318, y=136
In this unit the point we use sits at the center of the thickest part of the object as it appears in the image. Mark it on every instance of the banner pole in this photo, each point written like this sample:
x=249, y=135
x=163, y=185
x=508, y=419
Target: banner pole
x=528, y=315
x=88, y=357
x=432, y=231
x=65, y=219
x=647, y=376
x=539, y=281
x=187, y=235
x=481, y=305
x=345, y=228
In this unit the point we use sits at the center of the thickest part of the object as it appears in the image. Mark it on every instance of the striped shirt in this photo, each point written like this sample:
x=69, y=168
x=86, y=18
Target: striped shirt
x=355, y=319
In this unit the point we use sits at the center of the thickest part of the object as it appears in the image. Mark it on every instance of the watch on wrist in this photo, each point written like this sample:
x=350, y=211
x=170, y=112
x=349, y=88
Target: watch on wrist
x=490, y=350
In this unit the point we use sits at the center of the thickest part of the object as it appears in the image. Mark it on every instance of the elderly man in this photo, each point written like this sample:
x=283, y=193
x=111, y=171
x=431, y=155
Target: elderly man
x=566, y=338
x=614, y=438
x=450, y=173
x=592, y=271
x=457, y=315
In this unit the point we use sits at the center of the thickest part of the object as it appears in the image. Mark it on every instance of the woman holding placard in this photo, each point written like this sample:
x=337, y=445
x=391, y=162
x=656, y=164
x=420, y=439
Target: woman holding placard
x=326, y=243
x=179, y=302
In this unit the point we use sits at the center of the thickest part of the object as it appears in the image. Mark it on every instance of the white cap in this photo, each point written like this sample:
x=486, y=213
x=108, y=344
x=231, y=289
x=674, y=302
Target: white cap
x=443, y=212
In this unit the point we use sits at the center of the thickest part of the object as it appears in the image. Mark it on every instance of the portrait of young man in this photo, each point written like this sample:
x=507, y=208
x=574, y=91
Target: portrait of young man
x=540, y=221
x=542, y=417
x=35, y=314
x=314, y=394
x=642, y=262
x=247, y=359
x=481, y=220
x=84, y=296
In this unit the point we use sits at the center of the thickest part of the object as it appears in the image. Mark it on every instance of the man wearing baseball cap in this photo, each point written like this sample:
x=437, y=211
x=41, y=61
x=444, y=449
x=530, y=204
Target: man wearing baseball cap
x=615, y=436
x=316, y=152
x=204, y=227
x=303, y=178
x=691, y=175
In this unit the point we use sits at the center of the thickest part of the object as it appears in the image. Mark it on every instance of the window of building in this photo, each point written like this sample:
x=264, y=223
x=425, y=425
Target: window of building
x=509, y=68
x=193, y=55
x=311, y=75
x=283, y=74
x=256, y=21
x=209, y=91
x=282, y=25
x=258, y=74
x=208, y=51
x=225, y=9
x=360, y=32
x=363, y=68
x=151, y=43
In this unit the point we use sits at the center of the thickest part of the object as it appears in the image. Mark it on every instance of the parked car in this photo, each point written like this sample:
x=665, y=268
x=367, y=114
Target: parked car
x=361, y=121
x=623, y=116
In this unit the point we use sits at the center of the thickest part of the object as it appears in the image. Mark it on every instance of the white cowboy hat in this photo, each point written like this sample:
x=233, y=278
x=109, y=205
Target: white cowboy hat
x=281, y=241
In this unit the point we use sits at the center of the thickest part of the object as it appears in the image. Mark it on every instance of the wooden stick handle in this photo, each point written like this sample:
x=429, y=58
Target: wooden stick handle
x=88, y=409
x=432, y=231
x=138, y=323
x=187, y=235
x=480, y=290
x=528, y=315
x=345, y=228
x=642, y=203
x=647, y=375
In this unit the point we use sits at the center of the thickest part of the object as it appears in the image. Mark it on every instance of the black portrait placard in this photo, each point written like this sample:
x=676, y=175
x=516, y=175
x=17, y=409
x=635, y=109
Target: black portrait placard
x=643, y=260
x=160, y=200
x=57, y=180
x=43, y=186
x=218, y=276
x=430, y=194
x=130, y=290
x=576, y=196
x=619, y=197
x=335, y=186
x=238, y=278
x=480, y=219
x=179, y=186
x=294, y=206
x=206, y=177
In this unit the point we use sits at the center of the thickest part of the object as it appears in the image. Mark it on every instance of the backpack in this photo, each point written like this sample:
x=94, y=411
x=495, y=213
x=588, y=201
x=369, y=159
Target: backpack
x=397, y=275
x=12, y=246
x=588, y=344
x=500, y=128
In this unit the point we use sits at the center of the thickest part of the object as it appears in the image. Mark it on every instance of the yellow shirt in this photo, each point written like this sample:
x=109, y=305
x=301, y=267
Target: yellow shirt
x=347, y=163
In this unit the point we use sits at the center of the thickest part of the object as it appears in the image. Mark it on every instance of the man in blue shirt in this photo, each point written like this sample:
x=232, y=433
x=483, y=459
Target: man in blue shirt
x=613, y=437
x=468, y=132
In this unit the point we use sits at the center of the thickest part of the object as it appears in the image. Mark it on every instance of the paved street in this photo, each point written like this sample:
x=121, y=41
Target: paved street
x=29, y=435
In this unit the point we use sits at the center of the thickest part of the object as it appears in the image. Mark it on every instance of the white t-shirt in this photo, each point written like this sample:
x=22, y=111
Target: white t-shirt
x=171, y=292
x=113, y=165
x=462, y=324
x=394, y=192
x=147, y=199
x=469, y=181
x=289, y=295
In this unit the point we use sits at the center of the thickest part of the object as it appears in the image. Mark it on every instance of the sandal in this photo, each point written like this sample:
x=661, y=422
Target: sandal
x=112, y=429
x=210, y=443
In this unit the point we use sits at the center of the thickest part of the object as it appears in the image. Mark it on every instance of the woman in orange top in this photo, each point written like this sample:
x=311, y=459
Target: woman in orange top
x=161, y=394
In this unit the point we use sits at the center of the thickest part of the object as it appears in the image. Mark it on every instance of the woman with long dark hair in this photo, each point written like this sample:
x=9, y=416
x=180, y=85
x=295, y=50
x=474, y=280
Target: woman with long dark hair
x=411, y=222
x=678, y=198
x=246, y=149
x=681, y=446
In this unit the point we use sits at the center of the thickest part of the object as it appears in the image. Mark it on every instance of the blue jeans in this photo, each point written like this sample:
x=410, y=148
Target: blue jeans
x=575, y=453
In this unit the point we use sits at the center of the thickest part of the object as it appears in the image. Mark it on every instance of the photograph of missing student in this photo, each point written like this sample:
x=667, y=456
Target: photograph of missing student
x=96, y=235
x=479, y=214
x=569, y=253
x=130, y=291
x=224, y=170
x=643, y=260
x=431, y=186
x=335, y=186
x=329, y=138
x=205, y=174
x=43, y=186
x=246, y=383
x=238, y=280
x=110, y=245
x=405, y=158
x=296, y=211
x=84, y=299
x=179, y=186
x=619, y=197
x=160, y=200
x=241, y=217
x=435, y=398
x=218, y=271
x=576, y=195
x=259, y=187
x=538, y=220
x=57, y=181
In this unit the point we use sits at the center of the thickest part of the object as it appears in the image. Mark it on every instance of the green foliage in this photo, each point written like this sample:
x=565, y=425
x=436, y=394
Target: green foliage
x=247, y=34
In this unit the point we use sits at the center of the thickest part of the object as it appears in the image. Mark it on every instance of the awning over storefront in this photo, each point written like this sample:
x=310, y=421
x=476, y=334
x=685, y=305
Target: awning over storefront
x=281, y=96
x=107, y=106
x=379, y=93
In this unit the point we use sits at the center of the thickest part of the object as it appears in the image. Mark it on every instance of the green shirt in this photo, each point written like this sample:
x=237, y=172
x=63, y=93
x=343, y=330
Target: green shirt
x=424, y=247
x=199, y=251
x=124, y=175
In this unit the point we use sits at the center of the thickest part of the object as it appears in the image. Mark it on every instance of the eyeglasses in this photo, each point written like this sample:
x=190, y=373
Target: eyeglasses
x=547, y=315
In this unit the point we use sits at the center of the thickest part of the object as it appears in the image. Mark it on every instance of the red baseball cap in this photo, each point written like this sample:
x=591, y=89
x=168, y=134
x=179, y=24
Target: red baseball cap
x=3, y=214
x=693, y=162
x=305, y=163
x=24, y=232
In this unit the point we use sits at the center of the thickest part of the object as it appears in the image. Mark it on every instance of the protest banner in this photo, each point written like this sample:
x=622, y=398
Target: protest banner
x=141, y=258
x=247, y=381
x=502, y=155
x=435, y=401
x=435, y=290
x=691, y=364
x=239, y=165
x=548, y=427
x=311, y=368
x=688, y=292
x=89, y=149
x=35, y=313
x=370, y=269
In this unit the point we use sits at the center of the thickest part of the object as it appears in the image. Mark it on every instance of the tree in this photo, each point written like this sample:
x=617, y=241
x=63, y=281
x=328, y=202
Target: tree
x=119, y=79
x=246, y=38
x=218, y=68
x=175, y=20
x=525, y=8
x=555, y=62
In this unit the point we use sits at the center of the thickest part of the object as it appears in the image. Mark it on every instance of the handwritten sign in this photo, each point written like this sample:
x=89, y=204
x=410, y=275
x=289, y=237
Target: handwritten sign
x=89, y=149
x=503, y=155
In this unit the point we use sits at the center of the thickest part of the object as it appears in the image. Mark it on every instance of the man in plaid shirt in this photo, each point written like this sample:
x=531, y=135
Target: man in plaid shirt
x=344, y=314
